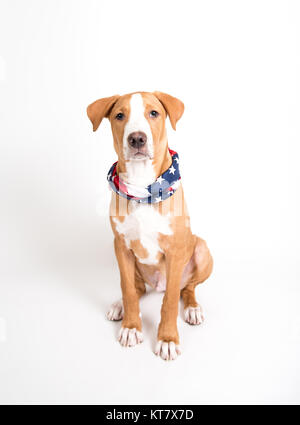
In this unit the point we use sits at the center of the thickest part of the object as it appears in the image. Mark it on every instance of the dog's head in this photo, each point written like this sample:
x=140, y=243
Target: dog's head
x=137, y=122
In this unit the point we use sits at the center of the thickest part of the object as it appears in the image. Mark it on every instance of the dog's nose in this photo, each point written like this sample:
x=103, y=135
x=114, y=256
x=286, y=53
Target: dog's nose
x=137, y=139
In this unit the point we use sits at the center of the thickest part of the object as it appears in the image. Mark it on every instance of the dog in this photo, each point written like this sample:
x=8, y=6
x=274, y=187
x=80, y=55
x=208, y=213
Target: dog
x=153, y=240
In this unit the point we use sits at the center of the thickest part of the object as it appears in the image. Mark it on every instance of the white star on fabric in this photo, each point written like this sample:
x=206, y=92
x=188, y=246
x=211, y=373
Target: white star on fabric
x=109, y=176
x=158, y=199
x=172, y=170
x=160, y=179
x=177, y=160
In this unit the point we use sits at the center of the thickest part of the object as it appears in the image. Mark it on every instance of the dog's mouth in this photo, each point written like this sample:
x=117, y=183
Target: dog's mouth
x=140, y=155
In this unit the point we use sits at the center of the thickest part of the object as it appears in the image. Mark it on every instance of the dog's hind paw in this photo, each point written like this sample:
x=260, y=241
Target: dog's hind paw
x=167, y=350
x=130, y=337
x=194, y=315
x=116, y=311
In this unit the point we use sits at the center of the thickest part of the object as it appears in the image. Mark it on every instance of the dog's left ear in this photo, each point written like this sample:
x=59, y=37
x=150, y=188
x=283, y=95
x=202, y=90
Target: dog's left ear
x=172, y=105
x=100, y=109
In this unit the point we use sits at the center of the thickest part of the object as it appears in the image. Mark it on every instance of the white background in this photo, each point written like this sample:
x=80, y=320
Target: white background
x=235, y=65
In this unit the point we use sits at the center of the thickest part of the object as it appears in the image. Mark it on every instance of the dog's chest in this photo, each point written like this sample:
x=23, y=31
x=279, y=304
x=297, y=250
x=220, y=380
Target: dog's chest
x=141, y=229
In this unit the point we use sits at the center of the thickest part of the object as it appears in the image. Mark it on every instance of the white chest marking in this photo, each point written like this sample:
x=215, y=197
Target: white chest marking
x=144, y=223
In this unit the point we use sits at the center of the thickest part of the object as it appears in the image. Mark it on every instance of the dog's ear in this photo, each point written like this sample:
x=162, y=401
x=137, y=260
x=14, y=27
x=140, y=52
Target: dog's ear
x=172, y=105
x=100, y=109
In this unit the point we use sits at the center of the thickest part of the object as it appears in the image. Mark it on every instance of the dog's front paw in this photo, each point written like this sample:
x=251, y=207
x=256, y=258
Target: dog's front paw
x=130, y=337
x=194, y=315
x=116, y=311
x=167, y=350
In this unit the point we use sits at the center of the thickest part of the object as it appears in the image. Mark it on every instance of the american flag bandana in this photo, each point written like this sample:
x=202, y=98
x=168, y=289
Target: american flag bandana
x=163, y=187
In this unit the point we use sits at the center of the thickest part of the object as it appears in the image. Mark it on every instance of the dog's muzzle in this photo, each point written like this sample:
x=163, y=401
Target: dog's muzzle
x=137, y=139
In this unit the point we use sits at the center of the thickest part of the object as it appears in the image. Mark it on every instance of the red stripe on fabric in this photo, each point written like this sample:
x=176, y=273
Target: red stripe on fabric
x=123, y=187
x=116, y=182
x=115, y=169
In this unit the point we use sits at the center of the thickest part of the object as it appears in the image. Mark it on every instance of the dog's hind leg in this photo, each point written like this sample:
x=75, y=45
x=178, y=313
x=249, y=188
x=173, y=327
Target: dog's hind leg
x=116, y=310
x=197, y=271
x=193, y=313
x=139, y=283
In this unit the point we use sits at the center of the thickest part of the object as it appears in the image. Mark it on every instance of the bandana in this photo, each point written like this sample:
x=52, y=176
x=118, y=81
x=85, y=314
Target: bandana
x=163, y=187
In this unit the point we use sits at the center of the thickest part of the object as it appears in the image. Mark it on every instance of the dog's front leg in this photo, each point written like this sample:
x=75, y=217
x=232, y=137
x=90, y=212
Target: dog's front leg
x=168, y=340
x=130, y=333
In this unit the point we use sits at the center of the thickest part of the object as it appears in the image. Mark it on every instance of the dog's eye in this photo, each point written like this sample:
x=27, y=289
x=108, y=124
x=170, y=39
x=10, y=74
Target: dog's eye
x=120, y=116
x=154, y=114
